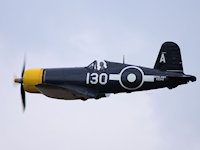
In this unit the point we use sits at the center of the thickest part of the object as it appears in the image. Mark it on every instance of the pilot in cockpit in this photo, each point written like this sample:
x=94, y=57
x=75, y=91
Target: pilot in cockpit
x=102, y=67
x=97, y=66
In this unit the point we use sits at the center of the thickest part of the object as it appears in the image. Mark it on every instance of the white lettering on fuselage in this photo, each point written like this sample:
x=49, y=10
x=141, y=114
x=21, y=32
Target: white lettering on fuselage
x=160, y=78
x=94, y=78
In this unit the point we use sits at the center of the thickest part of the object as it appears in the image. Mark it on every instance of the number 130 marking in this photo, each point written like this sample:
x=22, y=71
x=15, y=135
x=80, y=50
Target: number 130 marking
x=94, y=78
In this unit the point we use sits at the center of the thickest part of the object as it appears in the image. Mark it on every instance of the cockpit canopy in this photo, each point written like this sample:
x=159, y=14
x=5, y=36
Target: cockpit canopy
x=97, y=65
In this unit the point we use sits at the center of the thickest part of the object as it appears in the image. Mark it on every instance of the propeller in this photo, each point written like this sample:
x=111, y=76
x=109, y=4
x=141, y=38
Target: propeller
x=20, y=81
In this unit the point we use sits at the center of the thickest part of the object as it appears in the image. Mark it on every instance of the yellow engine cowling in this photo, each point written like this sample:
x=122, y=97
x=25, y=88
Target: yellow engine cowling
x=31, y=78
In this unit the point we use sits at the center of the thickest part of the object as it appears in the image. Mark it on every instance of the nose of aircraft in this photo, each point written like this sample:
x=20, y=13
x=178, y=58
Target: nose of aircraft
x=18, y=80
x=31, y=78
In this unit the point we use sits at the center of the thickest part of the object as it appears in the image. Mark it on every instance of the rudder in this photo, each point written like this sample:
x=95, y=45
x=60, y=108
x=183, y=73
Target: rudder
x=169, y=58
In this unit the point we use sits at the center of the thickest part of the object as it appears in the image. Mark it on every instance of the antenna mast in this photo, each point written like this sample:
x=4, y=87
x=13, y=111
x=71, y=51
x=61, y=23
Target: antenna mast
x=123, y=59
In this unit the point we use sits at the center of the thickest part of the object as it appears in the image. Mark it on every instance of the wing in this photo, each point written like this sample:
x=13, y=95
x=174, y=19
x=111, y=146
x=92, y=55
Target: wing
x=68, y=92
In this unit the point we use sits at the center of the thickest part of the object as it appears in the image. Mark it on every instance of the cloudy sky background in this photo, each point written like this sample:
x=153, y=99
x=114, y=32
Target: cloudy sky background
x=65, y=33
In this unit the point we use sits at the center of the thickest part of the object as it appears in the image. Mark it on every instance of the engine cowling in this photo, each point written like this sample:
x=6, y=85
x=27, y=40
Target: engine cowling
x=31, y=78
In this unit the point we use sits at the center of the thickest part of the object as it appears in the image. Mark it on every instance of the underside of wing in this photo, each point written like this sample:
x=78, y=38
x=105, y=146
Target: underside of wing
x=68, y=92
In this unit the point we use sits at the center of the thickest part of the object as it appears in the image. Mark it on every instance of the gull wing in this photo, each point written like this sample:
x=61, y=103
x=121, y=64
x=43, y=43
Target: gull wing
x=68, y=92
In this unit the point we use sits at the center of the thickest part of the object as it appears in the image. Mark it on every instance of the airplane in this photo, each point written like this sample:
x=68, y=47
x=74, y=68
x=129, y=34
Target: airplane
x=98, y=80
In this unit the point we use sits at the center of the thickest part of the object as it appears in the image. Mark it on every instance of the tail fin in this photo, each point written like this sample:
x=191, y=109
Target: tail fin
x=169, y=58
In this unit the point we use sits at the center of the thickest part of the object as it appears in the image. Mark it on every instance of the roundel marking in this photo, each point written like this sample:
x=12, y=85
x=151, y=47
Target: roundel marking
x=131, y=78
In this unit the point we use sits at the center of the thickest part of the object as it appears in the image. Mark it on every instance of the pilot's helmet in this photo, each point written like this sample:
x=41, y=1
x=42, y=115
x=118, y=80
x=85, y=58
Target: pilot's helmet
x=101, y=64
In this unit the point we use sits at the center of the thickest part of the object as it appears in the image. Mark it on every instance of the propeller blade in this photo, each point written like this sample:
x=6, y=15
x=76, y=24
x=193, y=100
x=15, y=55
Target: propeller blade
x=23, y=69
x=20, y=81
x=23, y=96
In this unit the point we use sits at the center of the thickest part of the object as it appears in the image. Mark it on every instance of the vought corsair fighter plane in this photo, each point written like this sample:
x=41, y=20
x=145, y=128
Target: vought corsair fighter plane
x=99, y=80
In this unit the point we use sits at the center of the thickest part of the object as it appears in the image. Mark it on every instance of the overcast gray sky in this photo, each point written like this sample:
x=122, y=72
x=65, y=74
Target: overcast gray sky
x=62, y=33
